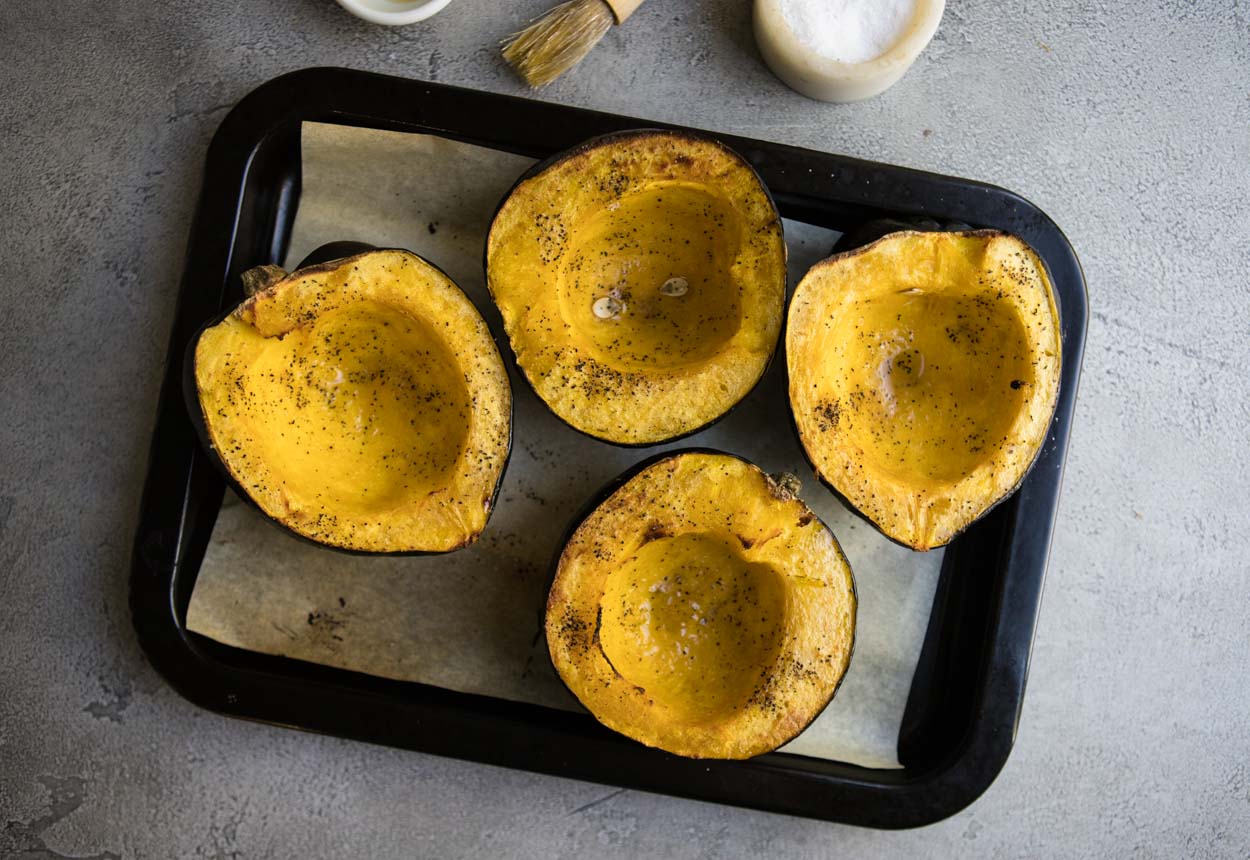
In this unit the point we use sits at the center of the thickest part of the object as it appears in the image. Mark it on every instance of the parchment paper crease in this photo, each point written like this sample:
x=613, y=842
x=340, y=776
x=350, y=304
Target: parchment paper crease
x=470, y=620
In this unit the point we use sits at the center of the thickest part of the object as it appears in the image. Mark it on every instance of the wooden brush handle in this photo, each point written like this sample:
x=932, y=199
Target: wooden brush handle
x=622, y=9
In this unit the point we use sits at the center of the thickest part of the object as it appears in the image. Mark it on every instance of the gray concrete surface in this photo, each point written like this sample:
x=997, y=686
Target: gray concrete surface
x=1128, y=122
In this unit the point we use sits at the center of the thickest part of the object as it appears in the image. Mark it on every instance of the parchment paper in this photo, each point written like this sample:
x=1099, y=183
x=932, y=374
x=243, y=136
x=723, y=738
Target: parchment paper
x=470, y=621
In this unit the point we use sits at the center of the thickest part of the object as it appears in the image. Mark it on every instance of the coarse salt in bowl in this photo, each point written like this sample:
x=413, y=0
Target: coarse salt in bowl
x=844, y=50
x=393, y=12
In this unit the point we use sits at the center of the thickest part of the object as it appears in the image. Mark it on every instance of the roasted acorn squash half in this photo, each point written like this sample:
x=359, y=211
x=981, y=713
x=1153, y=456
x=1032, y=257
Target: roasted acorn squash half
x=641, y=278
x=361, y=403
x=923, y=376
x=702, y=608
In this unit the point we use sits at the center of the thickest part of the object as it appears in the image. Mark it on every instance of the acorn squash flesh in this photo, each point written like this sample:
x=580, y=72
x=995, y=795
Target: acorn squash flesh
x=641, y=280
x=702, y=609
x=360, y=403
x=924, y=372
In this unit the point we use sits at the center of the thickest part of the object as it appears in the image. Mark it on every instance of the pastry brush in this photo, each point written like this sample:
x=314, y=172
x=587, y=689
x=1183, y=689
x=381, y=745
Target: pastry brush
x=560, y=39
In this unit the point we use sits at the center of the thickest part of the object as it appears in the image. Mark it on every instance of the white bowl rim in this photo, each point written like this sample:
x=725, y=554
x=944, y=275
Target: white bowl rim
x=419, y=12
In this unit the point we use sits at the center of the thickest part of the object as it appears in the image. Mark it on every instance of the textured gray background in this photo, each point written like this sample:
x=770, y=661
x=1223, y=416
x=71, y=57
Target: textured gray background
x=1130, y=127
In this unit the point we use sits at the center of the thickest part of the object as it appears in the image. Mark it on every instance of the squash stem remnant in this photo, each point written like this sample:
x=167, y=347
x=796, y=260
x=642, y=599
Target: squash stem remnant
x=261, y=278
x=786, y=485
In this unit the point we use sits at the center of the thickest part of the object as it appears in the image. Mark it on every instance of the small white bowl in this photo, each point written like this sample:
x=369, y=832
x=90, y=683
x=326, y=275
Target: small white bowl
x=819, y=77
x=393, y=12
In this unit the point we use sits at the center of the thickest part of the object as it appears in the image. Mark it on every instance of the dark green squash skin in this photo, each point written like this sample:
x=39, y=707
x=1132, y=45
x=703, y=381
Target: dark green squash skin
x=592, y=143
x=327, y=257
x=874, y=230
x=601, y=496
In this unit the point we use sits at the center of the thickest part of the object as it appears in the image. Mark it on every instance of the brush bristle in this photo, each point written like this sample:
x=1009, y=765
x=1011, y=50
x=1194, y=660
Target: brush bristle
x=558, y=41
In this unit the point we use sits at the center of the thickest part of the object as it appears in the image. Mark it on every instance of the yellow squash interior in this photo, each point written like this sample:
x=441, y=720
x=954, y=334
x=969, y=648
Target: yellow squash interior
x=619, y=219
x=362, y=403
x=693, y=622
x=702, y=610
x=924, y=371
